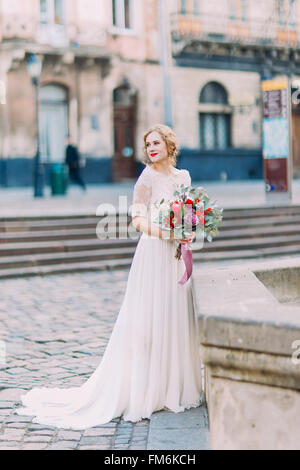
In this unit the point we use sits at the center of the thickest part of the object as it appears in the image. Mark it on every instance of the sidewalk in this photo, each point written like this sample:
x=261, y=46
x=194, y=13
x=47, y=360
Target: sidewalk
x=179, y=431
x=77, y=325
x=17, y=202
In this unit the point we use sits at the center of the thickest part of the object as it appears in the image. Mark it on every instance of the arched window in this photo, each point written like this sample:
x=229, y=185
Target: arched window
x=215, y=118
x=123, y=96
x=213, y=92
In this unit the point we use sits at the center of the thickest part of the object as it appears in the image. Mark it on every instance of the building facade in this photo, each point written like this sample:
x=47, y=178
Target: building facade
x=223, y=49
x=102, y=82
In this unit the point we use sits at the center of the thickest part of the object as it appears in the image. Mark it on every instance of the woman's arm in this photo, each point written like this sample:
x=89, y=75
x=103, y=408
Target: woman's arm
x=142, y=224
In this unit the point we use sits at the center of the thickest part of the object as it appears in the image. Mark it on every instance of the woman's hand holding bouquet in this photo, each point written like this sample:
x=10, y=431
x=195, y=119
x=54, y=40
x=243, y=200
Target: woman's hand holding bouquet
x=191, y=213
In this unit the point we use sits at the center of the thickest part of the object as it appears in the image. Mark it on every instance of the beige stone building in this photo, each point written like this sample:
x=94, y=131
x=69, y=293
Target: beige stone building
x=107, y=65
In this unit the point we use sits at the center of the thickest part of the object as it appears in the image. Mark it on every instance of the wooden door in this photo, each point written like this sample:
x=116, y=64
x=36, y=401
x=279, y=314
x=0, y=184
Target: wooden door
x=124, y=166
x=296, y=143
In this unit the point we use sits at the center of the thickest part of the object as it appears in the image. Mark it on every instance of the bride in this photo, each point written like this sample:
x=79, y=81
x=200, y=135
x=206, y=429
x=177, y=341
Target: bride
x=152, y=359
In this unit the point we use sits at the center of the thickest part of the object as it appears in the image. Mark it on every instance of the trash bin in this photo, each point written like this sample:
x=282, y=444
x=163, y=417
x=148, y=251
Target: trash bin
x=59, y=179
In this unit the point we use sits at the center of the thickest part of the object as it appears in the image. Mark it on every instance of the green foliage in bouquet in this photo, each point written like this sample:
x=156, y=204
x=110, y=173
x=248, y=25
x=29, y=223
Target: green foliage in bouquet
x=208, y=214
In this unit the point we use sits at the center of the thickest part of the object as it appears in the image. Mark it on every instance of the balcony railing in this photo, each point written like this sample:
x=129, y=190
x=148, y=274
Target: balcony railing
x=16, y=27
x=222, y=29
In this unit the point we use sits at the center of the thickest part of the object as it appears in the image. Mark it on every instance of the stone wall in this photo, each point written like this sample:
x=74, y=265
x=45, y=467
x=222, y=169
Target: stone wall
x=250, y=349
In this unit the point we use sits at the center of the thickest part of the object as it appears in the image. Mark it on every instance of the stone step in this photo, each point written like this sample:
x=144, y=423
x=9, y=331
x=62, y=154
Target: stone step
x=38, y=229
x=65, y=268
x=52, y=245
x=252, y=242
x=62, y=246
x=87, y=233
x=41, y=218
x=65, y=246
x=125, y=263
x=245, y=222
x=66, y=257
x=80, y=234
x=232, y=219
x=104, y=253
x=38, y=222
x=57, y=224
x=48, y=225
x=235, y=213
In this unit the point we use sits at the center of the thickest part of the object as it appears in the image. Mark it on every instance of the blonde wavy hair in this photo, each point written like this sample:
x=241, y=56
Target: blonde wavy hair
x=169, y=137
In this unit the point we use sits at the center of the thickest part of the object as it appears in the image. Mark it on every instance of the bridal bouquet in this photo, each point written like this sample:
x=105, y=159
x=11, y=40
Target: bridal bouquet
x=191, y=211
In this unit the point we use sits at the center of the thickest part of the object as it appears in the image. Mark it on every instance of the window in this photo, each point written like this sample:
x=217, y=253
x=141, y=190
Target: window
x=52, y=12
x=244, y=10
x=58, y=12
x=43, y=11
x=215, y=127
x=52, y=30
x=214, y=93
x=238, y=10
x=286, y=12
x=127, y=13
x=114, y=12
x=196, y=8
x=122, y=96
x=292, y=14
x=183, y=7
x=232, y=10
x=190, y=7
x=281, y=13
x=214, y=131
x=122, y=13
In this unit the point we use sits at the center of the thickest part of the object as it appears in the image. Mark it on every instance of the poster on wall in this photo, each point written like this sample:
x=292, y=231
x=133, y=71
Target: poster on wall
x=276, y=136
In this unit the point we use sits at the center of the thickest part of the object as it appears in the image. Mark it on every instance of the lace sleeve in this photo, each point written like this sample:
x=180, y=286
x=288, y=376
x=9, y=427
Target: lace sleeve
x=141, y=195
x=187, y=178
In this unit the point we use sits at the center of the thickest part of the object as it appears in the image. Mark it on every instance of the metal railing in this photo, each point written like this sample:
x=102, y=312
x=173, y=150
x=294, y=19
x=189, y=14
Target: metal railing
x=223, y=29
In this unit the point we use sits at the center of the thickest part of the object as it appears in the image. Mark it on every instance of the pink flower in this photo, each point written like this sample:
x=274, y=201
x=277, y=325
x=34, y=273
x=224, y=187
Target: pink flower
x=176, y=208
x=190, y=219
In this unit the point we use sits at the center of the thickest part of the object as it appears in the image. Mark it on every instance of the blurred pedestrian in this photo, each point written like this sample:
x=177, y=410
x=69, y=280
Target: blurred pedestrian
x=74, y=163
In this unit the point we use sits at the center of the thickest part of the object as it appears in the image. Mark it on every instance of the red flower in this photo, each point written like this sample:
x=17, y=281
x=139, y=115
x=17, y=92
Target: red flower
x=171, y=221
x=189, y=201
x=207, y=210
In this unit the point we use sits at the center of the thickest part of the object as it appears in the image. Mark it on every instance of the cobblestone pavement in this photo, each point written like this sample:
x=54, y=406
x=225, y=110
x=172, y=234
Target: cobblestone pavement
x=55, y=331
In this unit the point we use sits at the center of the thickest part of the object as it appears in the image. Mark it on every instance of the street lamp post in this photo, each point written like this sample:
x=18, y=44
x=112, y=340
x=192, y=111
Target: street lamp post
x=34, y=68
x=166, y=58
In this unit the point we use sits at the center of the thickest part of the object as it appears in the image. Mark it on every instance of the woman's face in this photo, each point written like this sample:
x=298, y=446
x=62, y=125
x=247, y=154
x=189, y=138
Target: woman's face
x=156, y=147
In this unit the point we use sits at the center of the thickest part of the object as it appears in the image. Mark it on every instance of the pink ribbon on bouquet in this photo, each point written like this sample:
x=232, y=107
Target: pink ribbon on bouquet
x=187, y=254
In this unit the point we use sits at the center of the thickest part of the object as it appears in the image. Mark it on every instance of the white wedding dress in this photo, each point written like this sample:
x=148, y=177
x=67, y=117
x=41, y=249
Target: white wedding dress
x=152, y=359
